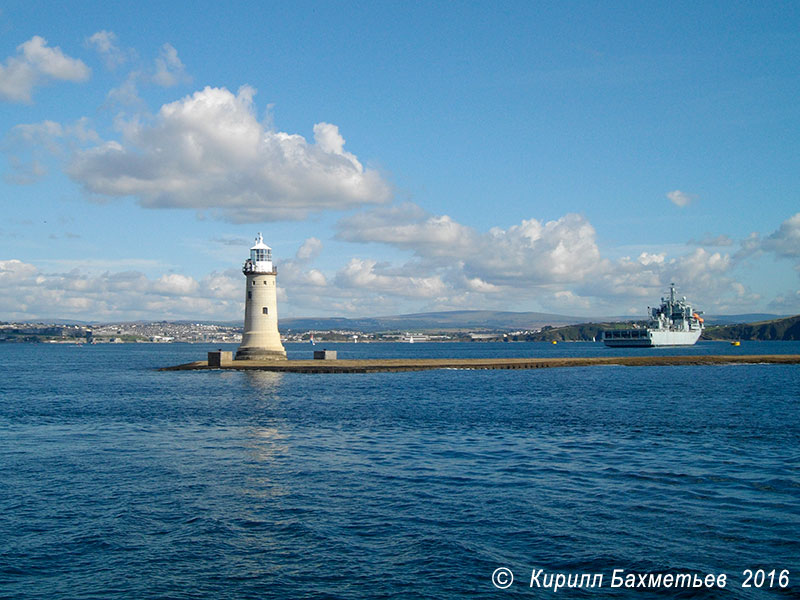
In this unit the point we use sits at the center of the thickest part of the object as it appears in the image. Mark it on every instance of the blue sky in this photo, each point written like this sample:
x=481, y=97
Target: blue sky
x=562, y=157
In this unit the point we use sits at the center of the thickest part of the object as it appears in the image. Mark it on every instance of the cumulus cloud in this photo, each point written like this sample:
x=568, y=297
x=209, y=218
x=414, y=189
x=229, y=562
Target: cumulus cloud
x=296, y=272
x=409, y=226
x=702, y=271
x=174, y=284
x=785, y=241
x=28, y=292
x=748, y=247
x=34, y=64
x=476, y=284
x=364, y=286
x=209, y=152
x=678, y=198
x=367, y=274
x=557, y=251
x=555, y=265
x=13, y=271
x=309, y=250
x=169, y=69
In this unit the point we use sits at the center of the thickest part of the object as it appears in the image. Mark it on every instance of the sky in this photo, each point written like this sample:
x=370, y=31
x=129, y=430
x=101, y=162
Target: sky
x=564, y=157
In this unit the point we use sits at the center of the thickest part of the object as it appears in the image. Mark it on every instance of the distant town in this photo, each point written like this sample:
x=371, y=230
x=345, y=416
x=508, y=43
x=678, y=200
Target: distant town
x=117, y=333
x=161, y=332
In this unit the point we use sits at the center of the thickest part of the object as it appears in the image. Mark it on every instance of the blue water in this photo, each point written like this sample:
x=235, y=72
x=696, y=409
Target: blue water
x=120, y=481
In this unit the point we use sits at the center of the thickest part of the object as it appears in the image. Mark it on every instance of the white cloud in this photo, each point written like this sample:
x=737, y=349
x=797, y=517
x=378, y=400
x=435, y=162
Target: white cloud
x=175, y=285
x=366, y=274
x=34, y=64
x=748, y=247
x=169, y=70
x=105, y=42
x=787, y=303
x=785, y=241
x=28, y=146
x=566, y=302
x=363, y=287
x=309, y=250
x=646, y=258
x=476, y=284
x=126, y=96
x=555, y=266
x=557, y=251
x=208, y=152
x=27, y=292
x=13, y=271
x=295, y=274
x=408, y=226
x=678, y=198
x=315, y=277
x=224, y=286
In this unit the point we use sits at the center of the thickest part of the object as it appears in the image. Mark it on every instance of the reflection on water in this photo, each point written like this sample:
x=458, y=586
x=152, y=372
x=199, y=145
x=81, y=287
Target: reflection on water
x=266, y=382
x=268, y=448
x=267, y=442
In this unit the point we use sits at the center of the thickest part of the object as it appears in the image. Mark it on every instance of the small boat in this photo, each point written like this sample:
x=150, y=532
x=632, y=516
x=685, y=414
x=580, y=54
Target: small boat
x=736, y=343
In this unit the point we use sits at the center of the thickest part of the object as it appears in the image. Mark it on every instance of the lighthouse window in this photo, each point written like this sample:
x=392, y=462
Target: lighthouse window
x=249, y=295
x=265, y=310
x=261, y=254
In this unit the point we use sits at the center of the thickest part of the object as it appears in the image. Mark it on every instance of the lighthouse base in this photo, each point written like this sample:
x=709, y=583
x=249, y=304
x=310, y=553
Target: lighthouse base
x=253, y=353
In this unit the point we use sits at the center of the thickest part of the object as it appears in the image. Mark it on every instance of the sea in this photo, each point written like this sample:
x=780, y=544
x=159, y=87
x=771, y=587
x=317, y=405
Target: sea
x=120, y=481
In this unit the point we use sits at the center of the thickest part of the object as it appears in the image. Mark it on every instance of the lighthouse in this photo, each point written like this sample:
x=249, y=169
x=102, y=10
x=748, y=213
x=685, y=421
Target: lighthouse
x=260, y=339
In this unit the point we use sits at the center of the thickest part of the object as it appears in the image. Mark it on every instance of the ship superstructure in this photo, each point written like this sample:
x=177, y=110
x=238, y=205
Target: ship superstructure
x=674, y=323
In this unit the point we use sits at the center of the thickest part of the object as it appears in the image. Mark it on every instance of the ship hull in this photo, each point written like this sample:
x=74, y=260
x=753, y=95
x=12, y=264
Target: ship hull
x=650, y=338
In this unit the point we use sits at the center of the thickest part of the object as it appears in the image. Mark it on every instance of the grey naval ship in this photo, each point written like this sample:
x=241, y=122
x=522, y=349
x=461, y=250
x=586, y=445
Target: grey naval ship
x=674, y=323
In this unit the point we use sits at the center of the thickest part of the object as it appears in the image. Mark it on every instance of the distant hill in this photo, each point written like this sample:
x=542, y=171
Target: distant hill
x=786, y=329
x=55, y=321
x=473, y=320
x=476, y=320
x=581, y=332
x=743, y=318
x=456, y=320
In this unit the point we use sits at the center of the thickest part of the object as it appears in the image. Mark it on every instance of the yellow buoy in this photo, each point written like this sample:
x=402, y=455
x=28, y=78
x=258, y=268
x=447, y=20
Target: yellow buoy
x=555, y=342
x=736, y=343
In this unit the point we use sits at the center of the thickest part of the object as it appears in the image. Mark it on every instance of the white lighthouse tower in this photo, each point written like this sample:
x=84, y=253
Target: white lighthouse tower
x=260, y=340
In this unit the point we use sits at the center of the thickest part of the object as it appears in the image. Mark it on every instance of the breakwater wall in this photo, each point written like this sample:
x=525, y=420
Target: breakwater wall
x=379, y=365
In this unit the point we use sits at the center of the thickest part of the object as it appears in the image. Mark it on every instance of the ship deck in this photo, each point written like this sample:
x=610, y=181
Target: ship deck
x=397, y=365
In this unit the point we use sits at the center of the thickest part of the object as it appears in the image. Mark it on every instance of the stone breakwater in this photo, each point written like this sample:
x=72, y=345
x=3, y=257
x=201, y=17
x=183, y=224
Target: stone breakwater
x=397, y=365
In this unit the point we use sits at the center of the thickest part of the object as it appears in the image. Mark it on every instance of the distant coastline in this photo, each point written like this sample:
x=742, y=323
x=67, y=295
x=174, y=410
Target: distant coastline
x=457, y=326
